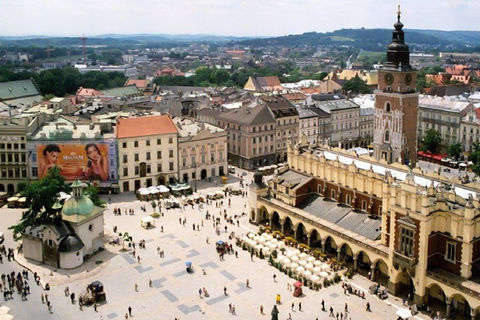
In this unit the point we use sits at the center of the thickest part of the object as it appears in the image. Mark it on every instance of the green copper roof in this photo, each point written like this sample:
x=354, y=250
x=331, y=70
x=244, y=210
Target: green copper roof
x=78, y=205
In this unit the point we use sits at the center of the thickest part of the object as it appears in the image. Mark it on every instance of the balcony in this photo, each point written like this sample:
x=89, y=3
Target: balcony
x=402, y=261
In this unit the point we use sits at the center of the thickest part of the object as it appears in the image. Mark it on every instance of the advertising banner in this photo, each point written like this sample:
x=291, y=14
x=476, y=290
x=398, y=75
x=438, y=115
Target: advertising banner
x=92, y=161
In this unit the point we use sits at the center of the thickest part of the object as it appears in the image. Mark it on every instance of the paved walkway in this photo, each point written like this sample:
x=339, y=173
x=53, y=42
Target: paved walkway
x=174, y=292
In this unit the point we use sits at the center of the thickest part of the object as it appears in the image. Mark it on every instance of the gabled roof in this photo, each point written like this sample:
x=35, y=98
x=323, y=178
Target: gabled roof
x=253, y=114
x=88, y=92
x=279, y=106
x=145, y=126
x=137, y=83
x=18, y=89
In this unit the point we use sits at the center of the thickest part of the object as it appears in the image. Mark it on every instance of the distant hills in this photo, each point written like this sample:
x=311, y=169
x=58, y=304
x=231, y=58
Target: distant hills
x=367, y=39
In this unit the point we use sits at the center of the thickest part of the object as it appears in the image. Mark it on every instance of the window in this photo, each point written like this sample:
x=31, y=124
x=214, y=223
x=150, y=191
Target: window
x=333, y=194
x=170, y=166
x=148, y=156
x=212, y=157
x=184, y=162
x=364, y=205
x=125, y=172
x=259, y=139
x=124, y=145
x=135, y=144
x=125, y=158
x=348, y=199
x=170, y=140
x=450, y=252
x=159, y=154
x=137, y=170
x=159, y=167
x=193, y=161
x=387, y=136
x=170, y=153
x=406, y=242
x=254, y=140
x=136, y=157
x=203, y=158
x=149, y=168
x=220, y=155
x=34, y=171
x=147, y=142
x=159, y=141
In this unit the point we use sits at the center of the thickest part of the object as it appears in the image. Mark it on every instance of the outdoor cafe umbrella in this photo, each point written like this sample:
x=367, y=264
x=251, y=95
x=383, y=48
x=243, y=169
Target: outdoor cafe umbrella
x=296, y=251
x=307, y=273
x=4, y=310
x=325, y=266
x=188, y=263
x=315, y=278
x=317, y=270
x=269, y=237
x=300, y=269
x=274, y=241
x=302, y=255
x=264, y=234
x=12, y=199
x=311, y=259
x=286, y=260
x=295, y=258
x=262, y=239
x=251, y=235
x=294, y=265
x=290, y=254
x=323, y=274
x=317, y=262
x=302, y=262
x=280, y=244
x=309, y=266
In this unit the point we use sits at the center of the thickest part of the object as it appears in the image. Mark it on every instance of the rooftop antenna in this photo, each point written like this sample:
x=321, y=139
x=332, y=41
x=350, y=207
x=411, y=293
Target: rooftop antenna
x=84, y=40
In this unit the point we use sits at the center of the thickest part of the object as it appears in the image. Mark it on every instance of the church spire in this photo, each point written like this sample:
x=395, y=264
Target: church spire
x=398, y=53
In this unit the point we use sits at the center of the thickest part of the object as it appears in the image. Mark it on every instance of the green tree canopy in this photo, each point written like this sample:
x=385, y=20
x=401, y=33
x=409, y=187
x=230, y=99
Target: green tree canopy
x=431, y=141
x=455, y=150
x=41, y=196
x=356, y=85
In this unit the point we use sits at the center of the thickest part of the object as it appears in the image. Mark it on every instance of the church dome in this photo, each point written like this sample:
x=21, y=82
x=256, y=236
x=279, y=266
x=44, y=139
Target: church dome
x=398, y=53
x=71, y=243
x=78, y=205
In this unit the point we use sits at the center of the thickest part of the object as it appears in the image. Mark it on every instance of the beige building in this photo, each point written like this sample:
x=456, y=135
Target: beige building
x=412, y=233
x=147, y=152
x=202, y=150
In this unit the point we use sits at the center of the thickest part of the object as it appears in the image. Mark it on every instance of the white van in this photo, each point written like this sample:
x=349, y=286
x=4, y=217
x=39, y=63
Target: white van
x=231, y=169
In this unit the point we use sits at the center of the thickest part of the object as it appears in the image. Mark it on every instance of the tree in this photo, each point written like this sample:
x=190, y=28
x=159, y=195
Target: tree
x=431, y=141
x=125, y=238
x=92, y=192
x=41, y=196
x=356, y=85
x=455, y=150
x=154, y=205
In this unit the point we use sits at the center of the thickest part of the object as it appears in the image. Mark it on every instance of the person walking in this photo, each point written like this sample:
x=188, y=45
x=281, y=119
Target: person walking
x=346, y=307
x=331, y=312
x=233, y=310
x=300, y=306
x=136, y=287
x=72, y=297
x=293, y=306
x=274, y=278
x=150, y=283
x=323, y=305
x=43, y=298
x=261, y=309
x=225, y=290
x=130, y=311
x=368, y=307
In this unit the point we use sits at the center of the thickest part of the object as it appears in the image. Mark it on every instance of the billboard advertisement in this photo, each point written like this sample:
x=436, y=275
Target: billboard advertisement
x=92, y=161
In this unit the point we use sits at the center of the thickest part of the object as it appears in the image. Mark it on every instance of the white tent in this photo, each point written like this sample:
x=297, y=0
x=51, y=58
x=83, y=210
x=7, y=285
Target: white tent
x=404, y=313
x=147, y=222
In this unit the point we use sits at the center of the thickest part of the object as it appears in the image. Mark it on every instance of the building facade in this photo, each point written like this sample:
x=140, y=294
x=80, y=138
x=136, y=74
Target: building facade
x=202, y=150
x=147, y=152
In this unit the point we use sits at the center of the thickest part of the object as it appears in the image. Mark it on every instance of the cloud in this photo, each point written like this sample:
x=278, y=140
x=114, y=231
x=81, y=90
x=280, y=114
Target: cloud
x=228, y=17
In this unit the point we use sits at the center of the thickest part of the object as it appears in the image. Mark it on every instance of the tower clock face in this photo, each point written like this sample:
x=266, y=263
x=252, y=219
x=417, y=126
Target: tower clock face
x=408, y=78
x=388, y=78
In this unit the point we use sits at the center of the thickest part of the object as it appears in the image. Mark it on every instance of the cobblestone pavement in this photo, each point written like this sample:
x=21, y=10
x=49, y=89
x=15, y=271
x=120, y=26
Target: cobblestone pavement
x=174, y=292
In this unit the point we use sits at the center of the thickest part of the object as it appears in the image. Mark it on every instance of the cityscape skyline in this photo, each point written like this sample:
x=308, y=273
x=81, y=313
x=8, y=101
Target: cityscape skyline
x=228, y=18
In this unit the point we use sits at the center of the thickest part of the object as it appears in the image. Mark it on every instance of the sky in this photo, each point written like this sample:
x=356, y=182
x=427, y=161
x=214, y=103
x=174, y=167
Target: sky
x=228, y=17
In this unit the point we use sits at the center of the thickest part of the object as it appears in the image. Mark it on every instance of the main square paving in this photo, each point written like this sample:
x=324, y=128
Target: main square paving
x=174, y=292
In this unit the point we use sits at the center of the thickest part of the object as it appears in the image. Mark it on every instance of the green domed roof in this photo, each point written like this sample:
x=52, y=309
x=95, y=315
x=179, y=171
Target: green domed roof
x=78, y=205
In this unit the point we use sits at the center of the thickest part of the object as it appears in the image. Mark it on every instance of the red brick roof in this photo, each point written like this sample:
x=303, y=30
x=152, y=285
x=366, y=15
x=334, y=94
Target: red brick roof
x=145, y=126
x=137, y=83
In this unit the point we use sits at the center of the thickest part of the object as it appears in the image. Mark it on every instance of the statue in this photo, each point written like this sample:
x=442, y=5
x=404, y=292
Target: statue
x=275, y=313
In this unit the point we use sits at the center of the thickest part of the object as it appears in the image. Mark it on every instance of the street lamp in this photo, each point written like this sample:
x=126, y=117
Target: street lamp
x=195, y=165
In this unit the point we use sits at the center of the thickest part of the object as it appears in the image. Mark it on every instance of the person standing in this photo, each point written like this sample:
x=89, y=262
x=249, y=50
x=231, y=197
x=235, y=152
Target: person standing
x=225, y=290
x=300, y=306
x=233, y=310
x=136, y=287
x=274, y=278
x=130, y=311
x=323, y=305
x=261, y=309
x=293, y=306
x=346, y=307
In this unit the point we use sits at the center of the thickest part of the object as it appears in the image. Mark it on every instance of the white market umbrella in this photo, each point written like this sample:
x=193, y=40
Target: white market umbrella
x=290, y=254
x=294, y=265
x=251, y=235
x=244, y=238
x=309, y=266
x=274, y=240
x=142, y=189
x=264, y=234
x=262, y=239
x=259, y=247
x=272, y=246
x=317, y=270
x=256, y=238
x=266, y=251
x=296, y=251
x=323, y=274
x=286, y=260
x=294, y=258
x=280, y=244
x=4, y=310
x=325, y=266
x=303, y=263
x=269, y=237
x=307, y=273
x=315, y=278
x=303, y=255
x=144, y=193
x=300, y=269
x=311, y=259
x=317, y=262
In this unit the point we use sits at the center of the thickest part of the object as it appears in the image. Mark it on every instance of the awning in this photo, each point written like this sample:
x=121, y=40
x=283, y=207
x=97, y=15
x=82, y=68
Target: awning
x=404, y=313
x=147, y=219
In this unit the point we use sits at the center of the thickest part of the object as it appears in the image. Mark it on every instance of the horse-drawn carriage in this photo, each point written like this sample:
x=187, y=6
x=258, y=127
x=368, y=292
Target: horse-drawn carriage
x=94, y=293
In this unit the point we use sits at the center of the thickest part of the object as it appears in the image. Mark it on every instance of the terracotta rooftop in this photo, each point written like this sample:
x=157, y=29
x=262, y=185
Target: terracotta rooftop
x=145, y=126
x=136, y=82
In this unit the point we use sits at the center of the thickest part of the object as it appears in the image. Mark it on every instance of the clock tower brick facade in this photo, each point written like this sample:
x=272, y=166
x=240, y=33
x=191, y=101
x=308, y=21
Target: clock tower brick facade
x=396, y=104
